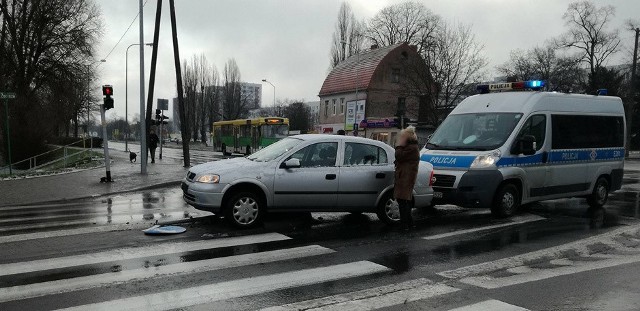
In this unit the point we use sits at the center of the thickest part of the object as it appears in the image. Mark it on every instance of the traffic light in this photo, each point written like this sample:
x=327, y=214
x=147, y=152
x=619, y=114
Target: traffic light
x=162, y=119
x=107, y=91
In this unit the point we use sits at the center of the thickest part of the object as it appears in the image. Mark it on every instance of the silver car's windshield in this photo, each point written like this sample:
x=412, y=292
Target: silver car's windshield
x=474, y=131
x=275, y=150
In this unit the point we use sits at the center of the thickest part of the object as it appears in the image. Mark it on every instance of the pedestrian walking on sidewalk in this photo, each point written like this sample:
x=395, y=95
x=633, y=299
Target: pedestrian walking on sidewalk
x=406, y=172
x=153, y=144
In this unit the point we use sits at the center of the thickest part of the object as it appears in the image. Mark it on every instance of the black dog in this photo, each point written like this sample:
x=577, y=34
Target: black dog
x=133, y=157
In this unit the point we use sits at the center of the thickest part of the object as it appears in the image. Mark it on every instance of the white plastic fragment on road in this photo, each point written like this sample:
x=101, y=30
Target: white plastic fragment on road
x=164, y=230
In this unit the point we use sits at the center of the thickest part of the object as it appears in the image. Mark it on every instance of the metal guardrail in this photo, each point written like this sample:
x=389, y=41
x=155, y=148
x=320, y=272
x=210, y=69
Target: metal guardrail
x=35, y=164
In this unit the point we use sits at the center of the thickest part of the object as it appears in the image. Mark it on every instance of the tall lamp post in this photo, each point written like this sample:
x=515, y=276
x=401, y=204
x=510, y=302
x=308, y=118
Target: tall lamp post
x=126, y=96
x=274, y=92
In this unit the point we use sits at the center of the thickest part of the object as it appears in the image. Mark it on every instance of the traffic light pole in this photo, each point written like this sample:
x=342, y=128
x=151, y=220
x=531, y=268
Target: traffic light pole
x=105, y=143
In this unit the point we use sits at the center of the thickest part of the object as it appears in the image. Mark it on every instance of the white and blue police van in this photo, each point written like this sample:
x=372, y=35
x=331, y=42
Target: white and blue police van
x=502, y=149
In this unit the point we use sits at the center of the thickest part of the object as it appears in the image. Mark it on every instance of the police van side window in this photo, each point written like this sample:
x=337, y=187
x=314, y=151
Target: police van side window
x=537, y=127
x=580, y=132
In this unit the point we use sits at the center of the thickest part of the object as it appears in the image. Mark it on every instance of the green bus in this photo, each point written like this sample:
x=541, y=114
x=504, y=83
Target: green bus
x=245, y=136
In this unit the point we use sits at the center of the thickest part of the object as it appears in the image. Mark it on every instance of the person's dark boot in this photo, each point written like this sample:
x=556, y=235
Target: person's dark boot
x=406, y=221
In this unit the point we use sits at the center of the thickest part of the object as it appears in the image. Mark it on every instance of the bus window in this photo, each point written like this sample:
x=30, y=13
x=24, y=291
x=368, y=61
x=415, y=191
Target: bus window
x=275, y=131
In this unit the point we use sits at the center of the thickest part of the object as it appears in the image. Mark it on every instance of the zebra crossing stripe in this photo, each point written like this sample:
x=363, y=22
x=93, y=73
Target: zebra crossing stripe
x=238, y=288
x=493, y=305
x=518, y=220
x=531, y=274
x=68, y=232
x=373, y=298
x=135, y=252
x=555, y=252
x=93, y=281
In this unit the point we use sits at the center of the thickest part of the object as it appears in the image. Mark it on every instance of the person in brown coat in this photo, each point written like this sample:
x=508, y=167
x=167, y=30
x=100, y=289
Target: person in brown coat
x=406, y=172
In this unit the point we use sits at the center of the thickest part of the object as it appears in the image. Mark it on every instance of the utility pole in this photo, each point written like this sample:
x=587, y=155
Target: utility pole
x=154, y=61
x=181, y=110
x=143, y=128
x=634, y=88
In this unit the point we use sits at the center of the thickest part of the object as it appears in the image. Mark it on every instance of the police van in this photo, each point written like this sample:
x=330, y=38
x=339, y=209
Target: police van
x=504, y=149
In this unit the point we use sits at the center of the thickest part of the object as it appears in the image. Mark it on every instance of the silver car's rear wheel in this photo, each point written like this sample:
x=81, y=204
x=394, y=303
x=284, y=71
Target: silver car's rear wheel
x=388, y=210
x=244, y=210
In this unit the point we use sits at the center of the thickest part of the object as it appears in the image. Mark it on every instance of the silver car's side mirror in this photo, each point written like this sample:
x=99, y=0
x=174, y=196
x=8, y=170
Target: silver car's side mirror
x=292, y=163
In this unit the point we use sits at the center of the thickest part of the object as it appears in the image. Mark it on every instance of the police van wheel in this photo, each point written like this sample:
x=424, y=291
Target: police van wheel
x=506, y=201
x=600, y=193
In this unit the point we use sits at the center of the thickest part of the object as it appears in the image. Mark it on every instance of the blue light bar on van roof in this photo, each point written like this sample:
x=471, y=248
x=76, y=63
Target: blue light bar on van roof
x=510, y=86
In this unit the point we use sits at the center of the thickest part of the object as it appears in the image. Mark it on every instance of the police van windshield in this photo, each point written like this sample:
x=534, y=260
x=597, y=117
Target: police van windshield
x=474, y=131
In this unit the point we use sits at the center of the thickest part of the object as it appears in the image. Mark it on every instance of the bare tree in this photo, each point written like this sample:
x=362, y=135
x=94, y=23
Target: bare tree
x=561, y=73
x=347, y=37
x=189, y=82
x=589, y=34
x=235, y=101
x=410, y=22
x=41, y=44
x=454, y=61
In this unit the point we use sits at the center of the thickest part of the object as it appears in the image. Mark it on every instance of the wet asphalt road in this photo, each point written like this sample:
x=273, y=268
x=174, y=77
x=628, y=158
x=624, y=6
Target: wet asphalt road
x=91, y=255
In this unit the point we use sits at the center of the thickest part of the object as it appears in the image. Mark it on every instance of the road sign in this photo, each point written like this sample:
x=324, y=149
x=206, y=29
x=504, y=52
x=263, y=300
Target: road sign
x=7, y=95
x=163, y=104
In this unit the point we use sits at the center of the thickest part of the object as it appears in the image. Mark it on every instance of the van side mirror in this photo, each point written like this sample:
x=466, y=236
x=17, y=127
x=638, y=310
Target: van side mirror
x=291, y=163
x=525, y=145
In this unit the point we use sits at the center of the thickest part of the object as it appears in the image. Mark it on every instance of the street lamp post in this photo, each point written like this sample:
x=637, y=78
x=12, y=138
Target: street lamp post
x=126, y=95
x=274, y=91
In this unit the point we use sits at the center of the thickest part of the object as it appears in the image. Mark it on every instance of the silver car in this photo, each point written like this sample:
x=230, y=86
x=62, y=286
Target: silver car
x=304, y=173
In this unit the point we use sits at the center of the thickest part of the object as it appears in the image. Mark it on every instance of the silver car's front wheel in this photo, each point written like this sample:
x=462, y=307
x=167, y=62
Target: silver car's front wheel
x=388, y=210
x=244, y=210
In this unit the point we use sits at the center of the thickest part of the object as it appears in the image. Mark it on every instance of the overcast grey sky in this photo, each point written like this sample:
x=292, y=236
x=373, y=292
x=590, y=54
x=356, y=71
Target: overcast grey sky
x=287, y=41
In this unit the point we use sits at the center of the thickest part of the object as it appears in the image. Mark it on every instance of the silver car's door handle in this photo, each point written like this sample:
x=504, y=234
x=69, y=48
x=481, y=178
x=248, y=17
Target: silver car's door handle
x=381, y=175
x=330, y=176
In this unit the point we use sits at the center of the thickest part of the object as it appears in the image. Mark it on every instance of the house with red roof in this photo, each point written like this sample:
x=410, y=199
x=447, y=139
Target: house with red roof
x=366, y=93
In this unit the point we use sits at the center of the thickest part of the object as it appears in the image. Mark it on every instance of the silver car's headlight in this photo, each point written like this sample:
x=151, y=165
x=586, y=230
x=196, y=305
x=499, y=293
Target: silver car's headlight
x=486, y=160
x=208, y=178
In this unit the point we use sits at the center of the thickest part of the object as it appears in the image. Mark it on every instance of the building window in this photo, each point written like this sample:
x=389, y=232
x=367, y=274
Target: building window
x=334, y=107
x=326, y=108
x=395, y=75
x=341, y=105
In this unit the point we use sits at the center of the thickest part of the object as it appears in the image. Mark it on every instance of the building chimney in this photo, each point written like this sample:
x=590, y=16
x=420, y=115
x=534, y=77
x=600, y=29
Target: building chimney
x=374, y=46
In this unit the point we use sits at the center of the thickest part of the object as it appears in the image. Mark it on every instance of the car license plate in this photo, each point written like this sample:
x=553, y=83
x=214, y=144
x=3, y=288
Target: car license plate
x=437, y=195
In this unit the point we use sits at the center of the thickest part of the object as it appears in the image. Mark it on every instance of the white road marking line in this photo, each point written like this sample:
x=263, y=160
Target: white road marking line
x=493, y=305
x=100, y=220
x=518, y=220
x=44, y=225
x=373, y=298
x=92, y=281
x=238, y=288
x=135, y=252
x=68, y=232
x=579, y=247
x=541, y=274
x=95, y=216
x=75, y=206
